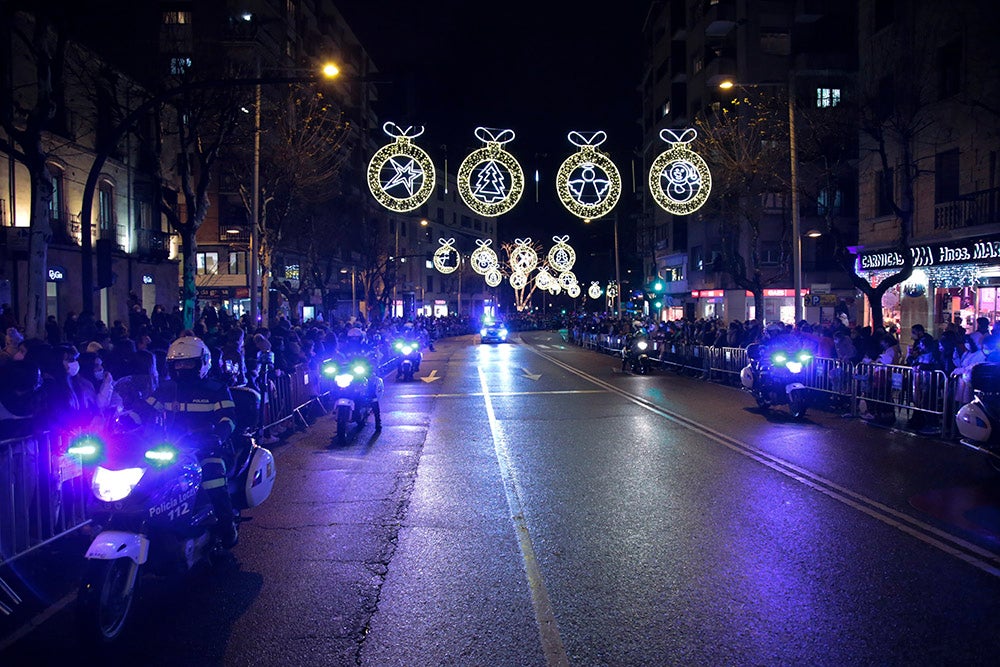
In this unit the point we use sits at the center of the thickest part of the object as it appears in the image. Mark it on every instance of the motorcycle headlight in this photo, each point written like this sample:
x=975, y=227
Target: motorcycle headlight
x=344, y=380
x=779, y=358
x=87, y=447
x=162, y=455
x=329, y=369
x=406, y=350
x=794, y=366
x=398, y=345
x=114, y=485
x=642, y=345
x=804, y=356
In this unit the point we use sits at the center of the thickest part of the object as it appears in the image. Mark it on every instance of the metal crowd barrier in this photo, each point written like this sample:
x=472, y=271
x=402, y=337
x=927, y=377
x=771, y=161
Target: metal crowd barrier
x=42, y=495
x=889, y=392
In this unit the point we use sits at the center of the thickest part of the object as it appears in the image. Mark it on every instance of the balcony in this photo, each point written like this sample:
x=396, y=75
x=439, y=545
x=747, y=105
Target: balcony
x=720, y=17
x=152, y=243
x=971, y=210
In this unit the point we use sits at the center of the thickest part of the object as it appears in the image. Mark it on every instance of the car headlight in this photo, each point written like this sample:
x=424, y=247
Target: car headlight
x=113, y=485
x=482, y=332
x=344, y=380
x=503, y=333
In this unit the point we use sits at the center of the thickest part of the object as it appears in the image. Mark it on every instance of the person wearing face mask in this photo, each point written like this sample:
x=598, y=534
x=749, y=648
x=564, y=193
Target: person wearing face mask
x=99, y=382
x=66, y=403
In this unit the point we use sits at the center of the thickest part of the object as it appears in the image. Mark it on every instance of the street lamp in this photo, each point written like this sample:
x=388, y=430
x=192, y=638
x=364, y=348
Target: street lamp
x=329, y=71
x=794, y=184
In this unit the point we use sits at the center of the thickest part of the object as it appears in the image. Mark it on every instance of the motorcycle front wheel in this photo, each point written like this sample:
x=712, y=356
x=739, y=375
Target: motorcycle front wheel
x=797, y=406
x=105, y=599
x=343, y=418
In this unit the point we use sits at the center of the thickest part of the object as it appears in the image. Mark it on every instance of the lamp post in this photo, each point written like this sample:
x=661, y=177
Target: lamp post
x=793, y=182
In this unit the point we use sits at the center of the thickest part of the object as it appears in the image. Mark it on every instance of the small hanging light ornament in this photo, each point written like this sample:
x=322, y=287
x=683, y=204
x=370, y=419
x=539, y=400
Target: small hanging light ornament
x=518, y=280
x=401, y=174
x=561, y=255
x=544, y=279
x=484, y=258
x=612, y=290
x=523, y=258
x=573, y=290
x=446, y=258
x=490, y=180
x=594, y=291
x=679, y=179
x=588, y=182
x=567, y=278
x=494, y=277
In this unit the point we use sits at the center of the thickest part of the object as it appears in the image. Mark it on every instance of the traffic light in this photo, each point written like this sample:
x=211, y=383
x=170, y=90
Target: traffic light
x=103, y=251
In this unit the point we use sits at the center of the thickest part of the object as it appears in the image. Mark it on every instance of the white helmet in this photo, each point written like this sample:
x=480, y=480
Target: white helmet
x=189, y=352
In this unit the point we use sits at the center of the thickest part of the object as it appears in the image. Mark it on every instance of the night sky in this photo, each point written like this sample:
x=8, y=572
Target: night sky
x=541, y=68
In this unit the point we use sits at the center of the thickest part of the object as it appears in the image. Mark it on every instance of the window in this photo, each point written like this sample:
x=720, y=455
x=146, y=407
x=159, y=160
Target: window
x=775, y=42
x=237, y=263
x=176, y=18
x=208, y=263
x=179, y=66
x=829, y=202
x=292, y=271
x=884, y=193
x=949, y=69
x=697, y=259
x=56, y=204
x=827, y=97
x=946, y=176
x=466, y=222
x=770, y=253
x=440, y=215
x=105, y=206
x=698, y=64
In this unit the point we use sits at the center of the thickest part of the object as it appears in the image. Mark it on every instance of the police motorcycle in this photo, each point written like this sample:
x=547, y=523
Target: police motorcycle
x=635, y=353
x=408, y=357
x=978, y=421
x=152, y=512
x=775, y=376
x=356, y=393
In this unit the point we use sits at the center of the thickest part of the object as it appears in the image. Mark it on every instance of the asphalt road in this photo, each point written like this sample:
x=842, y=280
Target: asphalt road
x=528, y=504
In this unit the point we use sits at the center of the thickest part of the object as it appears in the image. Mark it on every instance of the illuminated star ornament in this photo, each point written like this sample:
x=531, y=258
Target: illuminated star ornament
x=679, y=179
x=490, y=180
x=588, y=182
x=400, y=174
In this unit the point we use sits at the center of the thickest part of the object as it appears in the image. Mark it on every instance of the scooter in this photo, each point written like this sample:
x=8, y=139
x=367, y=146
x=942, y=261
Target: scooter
x=409, y=357
x=774, y=377
x=635, y=355
x=979, y=420
x=153, y=515
x=357, y=393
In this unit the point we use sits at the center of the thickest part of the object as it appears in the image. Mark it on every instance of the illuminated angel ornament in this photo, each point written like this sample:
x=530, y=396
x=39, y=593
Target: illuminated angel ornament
x=679, y=179
x=401, y=174
x=490, y=180
x=588, y=182
x=594, y=291
x=561, y=255
x=446, y=258
x=484, y=259
x=523, y=258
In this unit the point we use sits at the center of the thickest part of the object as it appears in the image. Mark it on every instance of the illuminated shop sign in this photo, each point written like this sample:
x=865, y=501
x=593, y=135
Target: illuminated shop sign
x=147, y=279
x=958, y=252
x=56, y=274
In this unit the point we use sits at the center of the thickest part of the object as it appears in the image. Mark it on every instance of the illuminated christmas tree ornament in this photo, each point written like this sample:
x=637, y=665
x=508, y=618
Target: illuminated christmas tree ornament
x=518, y=280
x=561, y=255
x=484, y=258
x=490, y=180
x=679, y=179
x=573, y=290
x=446, y=258
x=594, y=291
x=494, y=277
x=523, y=258
x=588, y=182
x=401, y=174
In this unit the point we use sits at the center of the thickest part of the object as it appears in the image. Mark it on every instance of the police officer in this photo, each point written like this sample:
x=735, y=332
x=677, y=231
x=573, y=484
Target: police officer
x=189, y=402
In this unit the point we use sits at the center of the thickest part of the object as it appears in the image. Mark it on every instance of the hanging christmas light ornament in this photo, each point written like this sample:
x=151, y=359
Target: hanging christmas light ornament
x=401, y=174
x=679, y=180
x=561, y=255
x=490, y=180
x=588, y=182
x=544, y=279
x=446, y=258
x=612, y=290
x=523, y=258
x=518, y=280
x=567, y=278
x=573, y=291
x=484, y=258
x=494, y=277
x=555, y=289
x=594, y=291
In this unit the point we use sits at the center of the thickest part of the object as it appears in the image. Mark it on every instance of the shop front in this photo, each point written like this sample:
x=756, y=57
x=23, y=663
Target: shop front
x=956, y=279
x=779, y=304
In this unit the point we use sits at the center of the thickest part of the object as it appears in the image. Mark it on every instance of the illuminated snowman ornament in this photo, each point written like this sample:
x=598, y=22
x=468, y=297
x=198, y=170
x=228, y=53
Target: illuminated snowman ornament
x=401, y=174
x=594, y=291
x=446, y=258
x=588, y=182
x=490, y=180
x=573, y=290
x=679, y=179
x=484, y=259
